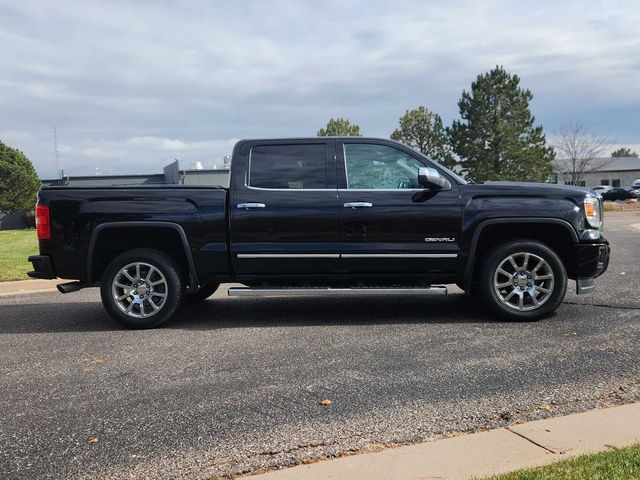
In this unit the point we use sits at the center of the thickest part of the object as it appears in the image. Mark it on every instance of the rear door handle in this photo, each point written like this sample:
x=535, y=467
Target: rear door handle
x=358, y=205
x=251, y=205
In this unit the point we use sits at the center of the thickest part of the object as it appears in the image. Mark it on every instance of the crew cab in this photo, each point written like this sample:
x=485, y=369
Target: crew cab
x=322, y=216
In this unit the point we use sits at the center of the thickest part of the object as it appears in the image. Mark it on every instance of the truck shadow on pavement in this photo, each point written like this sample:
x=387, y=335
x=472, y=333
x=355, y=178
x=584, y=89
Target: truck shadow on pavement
x=313, y=311
x=225, y=313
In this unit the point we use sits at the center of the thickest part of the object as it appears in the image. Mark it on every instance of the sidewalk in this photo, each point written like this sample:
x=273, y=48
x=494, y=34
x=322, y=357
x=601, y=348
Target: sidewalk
x=28, y=286
x=486, y=453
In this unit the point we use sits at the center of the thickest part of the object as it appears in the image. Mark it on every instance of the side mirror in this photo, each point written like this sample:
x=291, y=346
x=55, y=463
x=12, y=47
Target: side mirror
x=430, y=178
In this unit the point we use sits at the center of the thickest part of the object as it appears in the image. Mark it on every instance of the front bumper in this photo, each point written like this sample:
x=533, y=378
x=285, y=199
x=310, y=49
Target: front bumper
x=42, y=267
x=592, y=261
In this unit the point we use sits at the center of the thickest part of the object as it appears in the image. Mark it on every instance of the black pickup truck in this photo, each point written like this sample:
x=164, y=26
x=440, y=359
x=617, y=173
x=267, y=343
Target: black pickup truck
x=322, y=216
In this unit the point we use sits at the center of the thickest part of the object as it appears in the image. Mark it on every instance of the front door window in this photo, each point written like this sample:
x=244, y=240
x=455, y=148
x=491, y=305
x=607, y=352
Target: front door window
x=378, y=167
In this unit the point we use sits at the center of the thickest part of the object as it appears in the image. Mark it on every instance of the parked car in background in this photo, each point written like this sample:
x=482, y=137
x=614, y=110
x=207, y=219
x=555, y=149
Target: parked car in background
x=619, y=193
x=601, y=188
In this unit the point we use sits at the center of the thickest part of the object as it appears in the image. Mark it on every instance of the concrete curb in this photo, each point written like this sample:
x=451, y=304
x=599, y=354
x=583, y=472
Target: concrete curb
x=492, y=452
x=28, y=286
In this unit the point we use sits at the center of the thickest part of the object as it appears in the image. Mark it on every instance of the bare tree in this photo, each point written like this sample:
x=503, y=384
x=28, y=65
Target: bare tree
x=577, y=152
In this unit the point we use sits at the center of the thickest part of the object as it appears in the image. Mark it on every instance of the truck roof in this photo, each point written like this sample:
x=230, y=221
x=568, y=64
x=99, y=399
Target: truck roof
x=298, y=139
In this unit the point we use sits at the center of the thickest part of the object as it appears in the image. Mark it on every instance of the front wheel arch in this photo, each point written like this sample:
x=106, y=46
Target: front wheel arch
x=555, y=233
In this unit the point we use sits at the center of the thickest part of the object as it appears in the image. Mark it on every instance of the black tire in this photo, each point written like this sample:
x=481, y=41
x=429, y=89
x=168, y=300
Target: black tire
x=204, y=292
x=164, y=280
x=528, y=282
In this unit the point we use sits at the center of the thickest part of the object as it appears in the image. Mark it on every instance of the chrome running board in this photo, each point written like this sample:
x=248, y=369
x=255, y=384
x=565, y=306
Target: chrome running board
x=286, y=292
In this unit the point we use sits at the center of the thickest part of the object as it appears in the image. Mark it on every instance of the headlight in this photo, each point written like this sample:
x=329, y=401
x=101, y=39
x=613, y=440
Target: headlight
x=592, y=211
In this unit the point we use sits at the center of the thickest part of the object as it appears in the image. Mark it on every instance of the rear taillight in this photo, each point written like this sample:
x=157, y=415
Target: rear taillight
x=43, y=227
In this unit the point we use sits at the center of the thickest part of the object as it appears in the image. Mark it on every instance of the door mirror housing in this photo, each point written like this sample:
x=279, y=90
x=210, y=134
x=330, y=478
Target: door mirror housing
x=431, y=179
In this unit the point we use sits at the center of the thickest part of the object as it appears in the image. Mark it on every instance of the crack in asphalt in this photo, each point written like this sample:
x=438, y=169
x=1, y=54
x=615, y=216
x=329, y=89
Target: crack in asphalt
x=296, y=448
x=603, y=305
x=605, y=400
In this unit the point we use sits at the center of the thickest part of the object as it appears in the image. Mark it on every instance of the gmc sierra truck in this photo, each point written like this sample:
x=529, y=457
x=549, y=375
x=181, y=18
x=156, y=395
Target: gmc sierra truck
x=318, y=216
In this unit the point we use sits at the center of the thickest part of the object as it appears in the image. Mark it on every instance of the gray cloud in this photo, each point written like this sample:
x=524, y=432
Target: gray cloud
x=130, y=86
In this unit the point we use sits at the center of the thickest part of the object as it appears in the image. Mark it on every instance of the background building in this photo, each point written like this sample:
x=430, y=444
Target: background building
x=171, y=175
x=615, y=171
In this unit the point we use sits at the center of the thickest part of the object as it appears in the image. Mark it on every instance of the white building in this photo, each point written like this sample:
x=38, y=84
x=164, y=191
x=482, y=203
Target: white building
x=615, y=171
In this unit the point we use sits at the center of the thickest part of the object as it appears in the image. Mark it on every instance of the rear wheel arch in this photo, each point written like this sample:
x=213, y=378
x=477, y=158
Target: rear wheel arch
x=114, y=238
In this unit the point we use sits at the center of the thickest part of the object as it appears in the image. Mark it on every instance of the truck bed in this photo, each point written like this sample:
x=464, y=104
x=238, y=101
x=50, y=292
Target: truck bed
x=196, y=213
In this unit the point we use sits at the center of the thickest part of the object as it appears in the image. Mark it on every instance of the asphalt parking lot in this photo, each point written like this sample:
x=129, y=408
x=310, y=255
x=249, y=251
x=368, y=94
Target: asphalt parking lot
x=233, y=385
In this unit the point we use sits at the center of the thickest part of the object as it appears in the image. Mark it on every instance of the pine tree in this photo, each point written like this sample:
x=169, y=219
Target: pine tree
x=422, y=129
x=340, y=127
x=496, y=138
x=624, y=152
x=18, y=181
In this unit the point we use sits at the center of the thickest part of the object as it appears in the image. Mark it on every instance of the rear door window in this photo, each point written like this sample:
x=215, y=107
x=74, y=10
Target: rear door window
x=290, y=167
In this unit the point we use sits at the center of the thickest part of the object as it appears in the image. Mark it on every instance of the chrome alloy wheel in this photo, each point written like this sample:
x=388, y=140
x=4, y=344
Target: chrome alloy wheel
x=523, y=281
x=139, y=290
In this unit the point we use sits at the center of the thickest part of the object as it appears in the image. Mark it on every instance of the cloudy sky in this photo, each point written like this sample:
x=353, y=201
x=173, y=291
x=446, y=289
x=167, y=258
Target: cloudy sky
x=130, y=86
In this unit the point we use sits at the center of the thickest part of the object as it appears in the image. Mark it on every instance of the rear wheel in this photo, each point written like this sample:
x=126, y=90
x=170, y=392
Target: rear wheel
x=523, y=280
x=141, y=288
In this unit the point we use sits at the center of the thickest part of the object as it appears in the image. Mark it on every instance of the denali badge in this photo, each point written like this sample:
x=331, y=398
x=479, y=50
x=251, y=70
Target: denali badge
x=439, y=239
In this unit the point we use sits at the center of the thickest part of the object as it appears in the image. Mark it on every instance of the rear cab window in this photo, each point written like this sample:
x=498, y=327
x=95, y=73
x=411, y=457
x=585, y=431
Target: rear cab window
x=288, y=167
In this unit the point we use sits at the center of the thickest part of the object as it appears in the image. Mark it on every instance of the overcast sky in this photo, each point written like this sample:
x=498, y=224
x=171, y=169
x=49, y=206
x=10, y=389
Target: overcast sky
x=132, y=85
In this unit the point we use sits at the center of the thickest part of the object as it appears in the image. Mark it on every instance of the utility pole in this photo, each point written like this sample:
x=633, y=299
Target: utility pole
x=55, y=153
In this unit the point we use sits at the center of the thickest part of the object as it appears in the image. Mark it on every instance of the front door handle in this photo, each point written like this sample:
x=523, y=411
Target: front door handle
x=358, y=205
x=251, y=205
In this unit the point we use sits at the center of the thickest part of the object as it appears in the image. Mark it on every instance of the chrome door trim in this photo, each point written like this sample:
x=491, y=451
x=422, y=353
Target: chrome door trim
x=249, y=187
x=347, y=255
x=399, y=255
x=355, y=190
x=288, y=255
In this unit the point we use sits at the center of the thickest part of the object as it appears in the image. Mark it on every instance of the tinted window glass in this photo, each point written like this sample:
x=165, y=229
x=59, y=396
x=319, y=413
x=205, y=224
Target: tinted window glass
x=377, y=167
x=288, y=166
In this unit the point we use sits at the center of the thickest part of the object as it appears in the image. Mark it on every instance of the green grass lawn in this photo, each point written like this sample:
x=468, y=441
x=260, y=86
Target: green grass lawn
x=15, y=247
x=623, y=464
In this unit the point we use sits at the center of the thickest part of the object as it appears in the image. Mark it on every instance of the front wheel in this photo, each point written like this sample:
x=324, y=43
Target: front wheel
x=141, y=288
x=523, y=280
